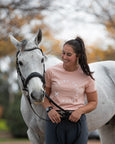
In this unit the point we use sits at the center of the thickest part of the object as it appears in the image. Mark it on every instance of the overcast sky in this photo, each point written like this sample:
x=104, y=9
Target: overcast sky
x=66, y=23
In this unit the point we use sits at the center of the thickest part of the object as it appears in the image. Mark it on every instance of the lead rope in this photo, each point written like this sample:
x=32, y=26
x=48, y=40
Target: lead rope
x=79, y=122
x=54, y=103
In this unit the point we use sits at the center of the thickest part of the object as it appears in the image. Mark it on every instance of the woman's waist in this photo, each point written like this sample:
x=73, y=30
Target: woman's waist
x=66, y=113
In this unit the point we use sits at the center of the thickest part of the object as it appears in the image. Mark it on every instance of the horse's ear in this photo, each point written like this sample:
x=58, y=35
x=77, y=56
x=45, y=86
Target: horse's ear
x=15, y=42
x=38, y=38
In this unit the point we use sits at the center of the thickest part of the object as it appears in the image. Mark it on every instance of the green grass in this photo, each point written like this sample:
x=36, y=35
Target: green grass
x=3, y=125
x=10, y=140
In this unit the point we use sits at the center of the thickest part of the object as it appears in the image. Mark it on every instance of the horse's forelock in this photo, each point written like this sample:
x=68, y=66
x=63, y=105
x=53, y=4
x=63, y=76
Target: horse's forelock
x=27, y=44
x=23, y=44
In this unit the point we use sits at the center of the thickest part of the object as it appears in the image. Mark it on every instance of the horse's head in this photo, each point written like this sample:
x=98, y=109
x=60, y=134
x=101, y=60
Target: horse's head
x=30, y=67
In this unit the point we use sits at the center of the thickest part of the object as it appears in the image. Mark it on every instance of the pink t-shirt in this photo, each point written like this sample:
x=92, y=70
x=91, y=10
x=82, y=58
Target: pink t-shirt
x=68, y=88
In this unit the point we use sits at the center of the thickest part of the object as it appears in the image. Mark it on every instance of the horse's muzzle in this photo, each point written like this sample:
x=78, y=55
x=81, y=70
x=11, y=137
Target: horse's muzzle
x=37, y=96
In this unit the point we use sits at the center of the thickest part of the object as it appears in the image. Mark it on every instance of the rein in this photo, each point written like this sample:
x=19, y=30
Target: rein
x=54, y=103
x=25, y=82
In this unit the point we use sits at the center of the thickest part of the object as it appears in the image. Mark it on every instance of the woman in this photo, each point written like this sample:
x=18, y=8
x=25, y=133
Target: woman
x=67, y=84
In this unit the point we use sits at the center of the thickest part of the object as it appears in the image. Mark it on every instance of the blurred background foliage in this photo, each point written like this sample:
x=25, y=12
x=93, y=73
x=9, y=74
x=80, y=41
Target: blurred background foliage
x=14, y=14
x=14, y=118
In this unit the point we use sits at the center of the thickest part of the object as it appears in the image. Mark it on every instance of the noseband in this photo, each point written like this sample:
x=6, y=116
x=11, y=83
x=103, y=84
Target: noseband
x=25, y=81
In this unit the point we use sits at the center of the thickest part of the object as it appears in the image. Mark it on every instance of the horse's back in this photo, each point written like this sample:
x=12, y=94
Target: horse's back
x=105, y=82
x=104, y=73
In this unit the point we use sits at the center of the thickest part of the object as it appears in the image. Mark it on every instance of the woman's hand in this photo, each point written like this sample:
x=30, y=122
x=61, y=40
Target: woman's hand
x=75, y=115
x=54, y=116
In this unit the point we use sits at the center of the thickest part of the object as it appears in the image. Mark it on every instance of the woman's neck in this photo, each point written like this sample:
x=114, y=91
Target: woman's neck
x=74, y=68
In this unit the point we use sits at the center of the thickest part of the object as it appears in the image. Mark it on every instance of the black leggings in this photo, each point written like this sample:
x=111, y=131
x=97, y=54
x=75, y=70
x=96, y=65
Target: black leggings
x=67, y=132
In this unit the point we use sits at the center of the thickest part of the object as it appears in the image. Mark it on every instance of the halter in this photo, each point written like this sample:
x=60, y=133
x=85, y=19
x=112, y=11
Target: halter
x=25, y=81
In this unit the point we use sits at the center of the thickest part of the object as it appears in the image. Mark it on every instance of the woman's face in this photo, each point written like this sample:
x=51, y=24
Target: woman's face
x=69, y=56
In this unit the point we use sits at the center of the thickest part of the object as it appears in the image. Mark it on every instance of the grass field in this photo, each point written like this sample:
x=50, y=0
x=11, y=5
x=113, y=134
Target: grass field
x=3, y=125
x=4, y=133
x=15, y=141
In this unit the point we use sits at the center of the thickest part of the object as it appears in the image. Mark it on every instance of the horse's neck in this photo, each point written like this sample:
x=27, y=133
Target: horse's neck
x=51, y=60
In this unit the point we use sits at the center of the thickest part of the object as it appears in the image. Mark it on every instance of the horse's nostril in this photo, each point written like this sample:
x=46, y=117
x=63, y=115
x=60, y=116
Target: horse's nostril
x=33, y=95
x=37, y=96
x=42, y=95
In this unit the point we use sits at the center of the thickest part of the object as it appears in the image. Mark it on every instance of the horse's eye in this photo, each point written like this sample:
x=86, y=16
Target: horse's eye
x=20, y=63
x=42, y=60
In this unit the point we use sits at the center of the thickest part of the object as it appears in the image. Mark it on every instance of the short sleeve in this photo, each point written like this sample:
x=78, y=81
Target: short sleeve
x=90, y=87
x=48, y=78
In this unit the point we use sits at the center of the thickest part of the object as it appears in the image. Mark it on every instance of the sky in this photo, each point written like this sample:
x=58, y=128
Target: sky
x=66, y=23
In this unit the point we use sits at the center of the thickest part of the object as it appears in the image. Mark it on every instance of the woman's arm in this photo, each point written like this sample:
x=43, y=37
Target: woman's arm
x=90, y=106
x=91, y=103
x=53, y=115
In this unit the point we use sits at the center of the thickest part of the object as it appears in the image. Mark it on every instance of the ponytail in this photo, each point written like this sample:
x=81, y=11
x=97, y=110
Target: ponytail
x=79, y=48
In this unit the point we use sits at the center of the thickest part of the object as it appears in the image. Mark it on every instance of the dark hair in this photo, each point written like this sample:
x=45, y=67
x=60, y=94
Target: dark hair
x=79, y=48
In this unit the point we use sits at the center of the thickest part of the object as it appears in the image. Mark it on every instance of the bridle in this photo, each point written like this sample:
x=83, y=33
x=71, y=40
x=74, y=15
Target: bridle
x=25, y=81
